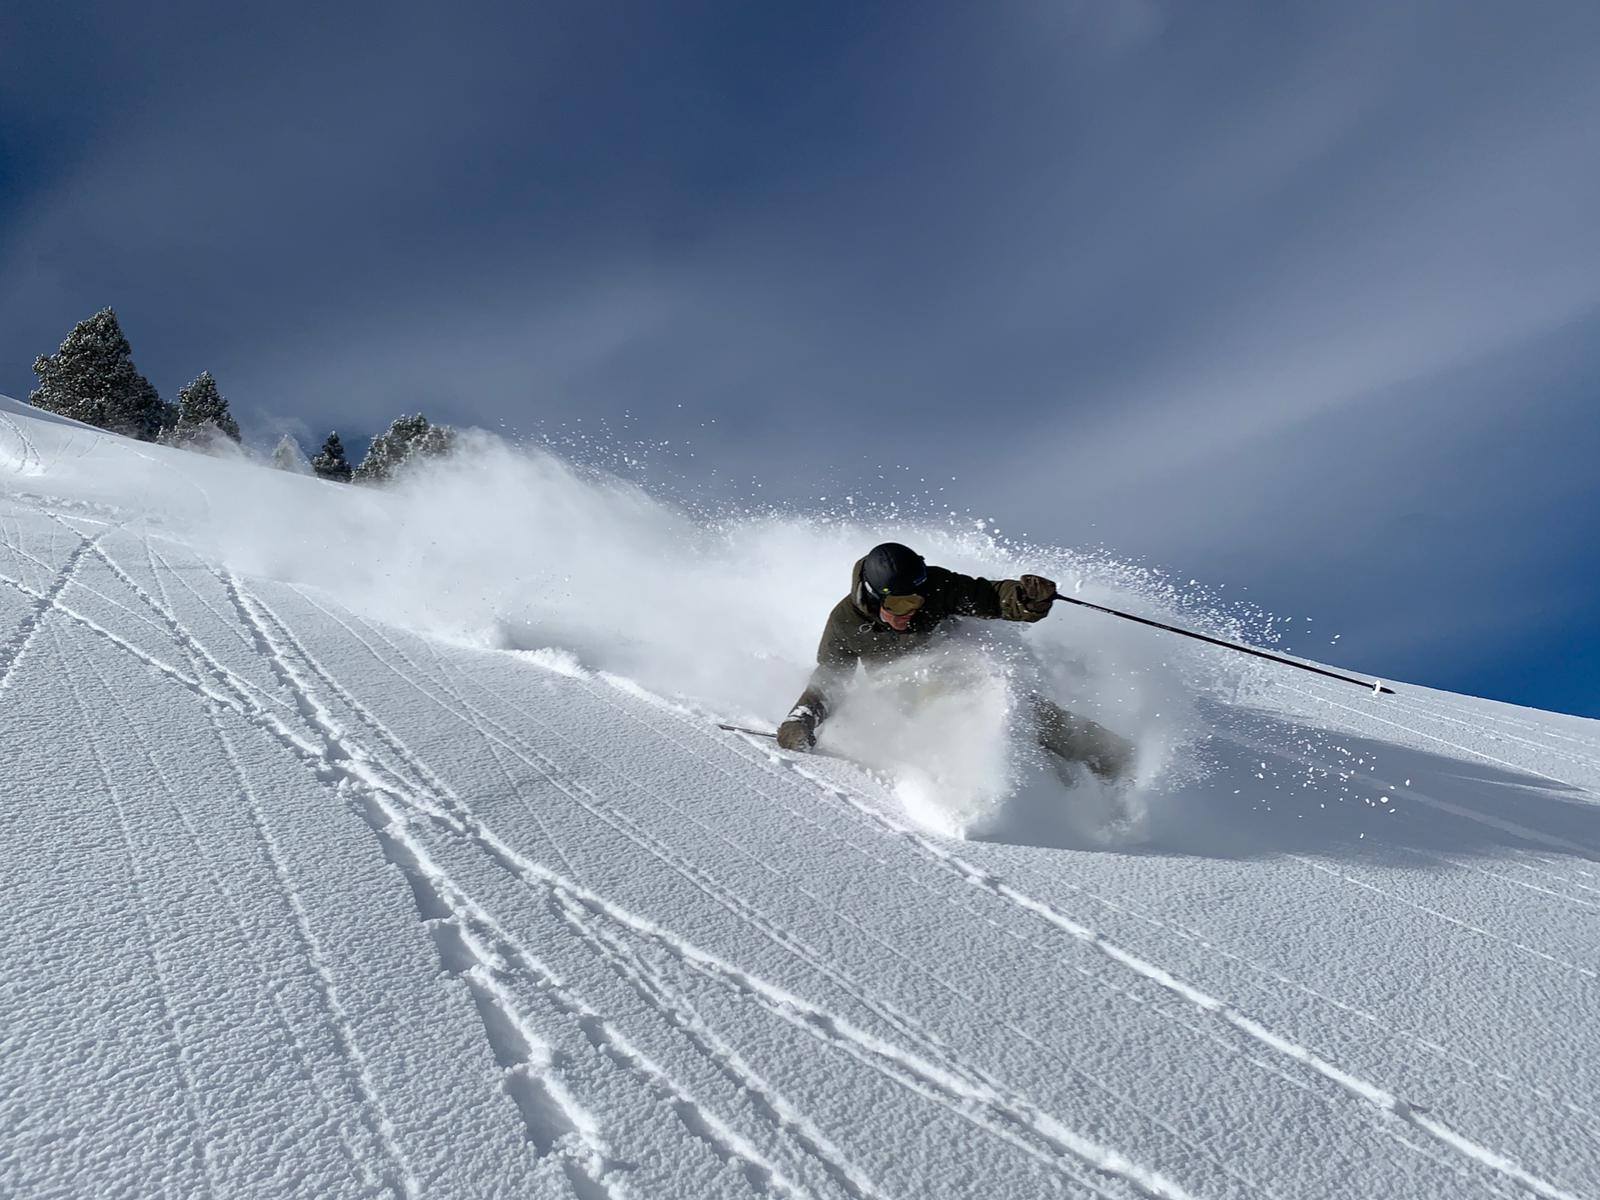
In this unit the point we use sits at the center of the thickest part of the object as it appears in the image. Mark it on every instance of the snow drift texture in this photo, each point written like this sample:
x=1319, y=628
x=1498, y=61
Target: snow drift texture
x=365, y=843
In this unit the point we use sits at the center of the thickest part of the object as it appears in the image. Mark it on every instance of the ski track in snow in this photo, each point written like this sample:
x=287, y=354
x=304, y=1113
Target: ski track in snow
x=15, y=646
x=150, y=944
x=928, y=1079
x=1124, y=906
x=538, y=1093
x=999, y=887
x=370, y=1114
x=927, y=1042
x=1362, y=1089
x=669, y=998
x=548, y=1111
x=1207, y=943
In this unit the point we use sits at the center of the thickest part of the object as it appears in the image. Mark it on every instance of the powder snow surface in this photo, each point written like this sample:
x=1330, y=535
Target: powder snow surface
x=304, y=898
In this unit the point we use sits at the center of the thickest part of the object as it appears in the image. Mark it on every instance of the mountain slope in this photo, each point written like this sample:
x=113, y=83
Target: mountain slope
x=308, y=902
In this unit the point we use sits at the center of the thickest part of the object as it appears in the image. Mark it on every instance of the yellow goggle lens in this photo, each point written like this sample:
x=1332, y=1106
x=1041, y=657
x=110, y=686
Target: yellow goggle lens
x=902, y=606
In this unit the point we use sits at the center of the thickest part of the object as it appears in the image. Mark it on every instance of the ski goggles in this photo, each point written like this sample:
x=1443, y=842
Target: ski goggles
x=901, y=606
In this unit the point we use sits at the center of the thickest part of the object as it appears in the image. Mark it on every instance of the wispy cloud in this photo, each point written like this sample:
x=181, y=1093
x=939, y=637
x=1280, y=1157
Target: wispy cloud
x=1191, y=281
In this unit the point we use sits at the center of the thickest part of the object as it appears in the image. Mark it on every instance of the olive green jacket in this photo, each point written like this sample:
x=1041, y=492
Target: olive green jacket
x=855, y=634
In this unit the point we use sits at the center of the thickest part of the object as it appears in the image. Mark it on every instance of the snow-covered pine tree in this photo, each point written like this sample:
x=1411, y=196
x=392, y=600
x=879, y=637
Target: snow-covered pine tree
x=330, y=462
x=407, y=438
x=92, y=379
x=202, y=413
x=287, y=456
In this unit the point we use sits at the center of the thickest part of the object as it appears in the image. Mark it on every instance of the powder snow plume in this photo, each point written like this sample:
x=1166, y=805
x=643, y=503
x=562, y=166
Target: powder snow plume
x=512, y=547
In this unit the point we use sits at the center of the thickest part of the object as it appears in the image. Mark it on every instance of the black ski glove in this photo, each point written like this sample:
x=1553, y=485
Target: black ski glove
x=799, y=732
x=1036, y=593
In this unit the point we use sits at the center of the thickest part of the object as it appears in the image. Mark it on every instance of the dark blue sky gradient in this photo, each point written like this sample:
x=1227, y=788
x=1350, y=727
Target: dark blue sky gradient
x=1298, y=298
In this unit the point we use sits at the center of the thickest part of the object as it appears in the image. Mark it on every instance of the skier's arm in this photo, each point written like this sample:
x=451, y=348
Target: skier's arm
x=1025, y=599
x=836, y=663
x=799, y=728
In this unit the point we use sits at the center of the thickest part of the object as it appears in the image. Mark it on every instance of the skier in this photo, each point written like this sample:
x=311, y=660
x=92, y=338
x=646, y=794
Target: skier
x=896, y=602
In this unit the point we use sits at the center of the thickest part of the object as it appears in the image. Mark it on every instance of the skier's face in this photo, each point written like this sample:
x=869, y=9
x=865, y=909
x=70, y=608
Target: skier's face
x=894, y=620
x=896, y=611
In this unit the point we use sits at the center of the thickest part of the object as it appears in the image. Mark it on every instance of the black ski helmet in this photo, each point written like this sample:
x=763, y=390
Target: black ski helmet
x=893, y=570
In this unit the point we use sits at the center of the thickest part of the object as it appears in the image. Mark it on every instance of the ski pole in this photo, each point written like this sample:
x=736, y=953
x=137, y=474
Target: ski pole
x=773, y=737
x=762, y=733
x=1375, y=685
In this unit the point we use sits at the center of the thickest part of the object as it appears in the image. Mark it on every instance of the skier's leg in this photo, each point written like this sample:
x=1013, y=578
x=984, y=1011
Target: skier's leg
x=1078, y=739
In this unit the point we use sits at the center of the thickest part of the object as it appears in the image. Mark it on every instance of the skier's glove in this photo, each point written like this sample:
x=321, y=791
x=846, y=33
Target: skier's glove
x=1036, y=593
x=799, y=732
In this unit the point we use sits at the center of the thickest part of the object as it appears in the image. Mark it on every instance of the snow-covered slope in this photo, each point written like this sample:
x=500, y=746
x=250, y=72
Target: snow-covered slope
x=355, y=845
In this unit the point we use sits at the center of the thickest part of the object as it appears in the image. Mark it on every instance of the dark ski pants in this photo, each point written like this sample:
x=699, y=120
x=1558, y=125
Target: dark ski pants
x=1078, y=739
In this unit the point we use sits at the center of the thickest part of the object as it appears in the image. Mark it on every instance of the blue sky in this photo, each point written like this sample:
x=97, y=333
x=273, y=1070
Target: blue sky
x=1300, y=298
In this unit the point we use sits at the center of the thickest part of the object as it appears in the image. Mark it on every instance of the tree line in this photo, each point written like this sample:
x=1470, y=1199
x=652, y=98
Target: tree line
x=92, y=379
